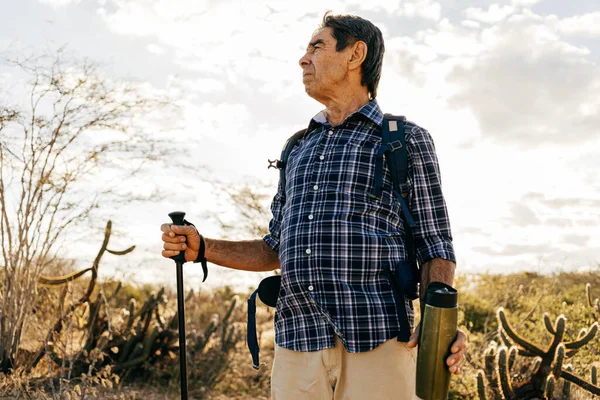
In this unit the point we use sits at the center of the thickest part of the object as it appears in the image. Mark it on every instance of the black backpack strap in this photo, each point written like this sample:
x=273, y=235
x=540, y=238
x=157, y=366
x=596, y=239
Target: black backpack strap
x=285, y=154
x=393, y=147
x=251, y=338
x=268, y=292
x=398, y=292
x=405, y=282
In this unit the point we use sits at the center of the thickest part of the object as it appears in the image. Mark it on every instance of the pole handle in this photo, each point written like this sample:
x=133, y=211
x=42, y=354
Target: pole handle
x=178, y=217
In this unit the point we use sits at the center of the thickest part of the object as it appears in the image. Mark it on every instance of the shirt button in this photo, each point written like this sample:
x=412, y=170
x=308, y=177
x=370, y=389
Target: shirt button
x=316, y=187
x=330, y=132
x=321, y=157
x=310, y=217
x=311, y=288
x=308, y=251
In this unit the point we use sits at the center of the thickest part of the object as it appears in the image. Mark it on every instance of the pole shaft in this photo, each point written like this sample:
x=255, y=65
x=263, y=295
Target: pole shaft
x=181, y=317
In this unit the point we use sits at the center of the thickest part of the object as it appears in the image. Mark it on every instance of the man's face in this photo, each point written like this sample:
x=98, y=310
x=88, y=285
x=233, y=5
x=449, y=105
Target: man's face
x=323, y=68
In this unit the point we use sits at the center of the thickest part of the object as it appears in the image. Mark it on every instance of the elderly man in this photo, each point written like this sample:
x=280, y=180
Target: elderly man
x=336, y=325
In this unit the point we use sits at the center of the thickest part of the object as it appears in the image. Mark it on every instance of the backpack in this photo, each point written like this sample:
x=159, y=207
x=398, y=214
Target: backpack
x=405, y=282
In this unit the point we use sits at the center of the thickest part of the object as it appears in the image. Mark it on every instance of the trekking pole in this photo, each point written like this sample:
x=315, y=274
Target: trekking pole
x=177, y=218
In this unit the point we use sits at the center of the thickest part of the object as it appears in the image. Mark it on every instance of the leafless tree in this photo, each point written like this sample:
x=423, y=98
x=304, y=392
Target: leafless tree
x=248, y=209
x=54, y=147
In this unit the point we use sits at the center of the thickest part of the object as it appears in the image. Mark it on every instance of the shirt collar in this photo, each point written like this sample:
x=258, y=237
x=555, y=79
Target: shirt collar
x=370, y=110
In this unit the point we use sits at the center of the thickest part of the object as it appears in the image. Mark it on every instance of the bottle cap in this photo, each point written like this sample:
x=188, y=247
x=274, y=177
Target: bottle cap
x=441, y=295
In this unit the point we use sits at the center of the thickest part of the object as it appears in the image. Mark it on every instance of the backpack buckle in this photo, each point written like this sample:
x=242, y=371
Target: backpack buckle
x=403, y=189
x=275, y=164
x=395, y=145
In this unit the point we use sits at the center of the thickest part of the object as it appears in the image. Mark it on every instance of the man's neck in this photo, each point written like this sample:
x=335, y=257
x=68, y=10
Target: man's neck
x=338, y=109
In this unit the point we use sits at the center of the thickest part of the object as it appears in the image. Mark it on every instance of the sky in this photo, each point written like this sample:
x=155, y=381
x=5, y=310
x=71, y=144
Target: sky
x=510, y=92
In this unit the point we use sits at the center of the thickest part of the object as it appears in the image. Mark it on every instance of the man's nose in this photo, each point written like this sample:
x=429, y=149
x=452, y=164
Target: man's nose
x=304, y=61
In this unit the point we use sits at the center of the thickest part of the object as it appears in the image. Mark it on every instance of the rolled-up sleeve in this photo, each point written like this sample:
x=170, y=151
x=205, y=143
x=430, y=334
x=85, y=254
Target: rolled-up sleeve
x=433, y=238
x=273, y=237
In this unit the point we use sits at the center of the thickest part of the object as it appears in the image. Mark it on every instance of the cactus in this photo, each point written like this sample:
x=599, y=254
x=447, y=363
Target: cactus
x=144, y=337
x=593, y=303
x=512, y=355
x=504, y=374
x=558, y=361
x=85, y=299
x=548, y=366
x=567, y=385
x=548, y=324
x=61, y=280
x=490, y=372
x=549, y=387
x=490, y=360
x=588, y=294
x=481, y=385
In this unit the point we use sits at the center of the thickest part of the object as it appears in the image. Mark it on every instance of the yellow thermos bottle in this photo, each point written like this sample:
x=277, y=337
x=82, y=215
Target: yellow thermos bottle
x=438, y=332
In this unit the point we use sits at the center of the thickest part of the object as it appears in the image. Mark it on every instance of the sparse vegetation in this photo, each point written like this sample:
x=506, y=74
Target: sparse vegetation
x=220, y=366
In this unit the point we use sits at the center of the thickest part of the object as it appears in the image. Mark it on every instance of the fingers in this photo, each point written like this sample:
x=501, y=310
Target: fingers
x=455, y=361
x=169, y=253
x=175, y=246
x=458, y=350
x=172, y=238
x=173, y=230
x=414, y=338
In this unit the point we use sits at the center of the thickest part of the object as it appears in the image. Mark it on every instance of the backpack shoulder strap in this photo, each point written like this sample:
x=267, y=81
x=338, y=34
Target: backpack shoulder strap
x=393, y=147
x=285, y=154
x=393, y=134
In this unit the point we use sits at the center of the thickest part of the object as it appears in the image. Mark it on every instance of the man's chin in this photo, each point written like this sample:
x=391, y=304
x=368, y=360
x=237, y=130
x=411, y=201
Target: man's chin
x=310, y=92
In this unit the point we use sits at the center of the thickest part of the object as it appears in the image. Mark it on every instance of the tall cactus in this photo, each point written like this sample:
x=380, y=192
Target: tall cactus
x=83, y=301
x=144, y=336
x=549, y=365
x=481, y=385
x=504, y=374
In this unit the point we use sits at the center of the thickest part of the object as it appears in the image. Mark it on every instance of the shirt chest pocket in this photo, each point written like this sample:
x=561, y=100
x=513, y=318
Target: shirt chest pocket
x=352, y=169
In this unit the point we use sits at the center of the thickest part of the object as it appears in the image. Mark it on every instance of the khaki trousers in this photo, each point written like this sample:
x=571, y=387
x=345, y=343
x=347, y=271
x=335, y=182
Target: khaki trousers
x=384, y=373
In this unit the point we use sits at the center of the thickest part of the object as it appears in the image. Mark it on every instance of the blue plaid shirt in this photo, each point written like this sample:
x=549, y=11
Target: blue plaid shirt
x=333, y=240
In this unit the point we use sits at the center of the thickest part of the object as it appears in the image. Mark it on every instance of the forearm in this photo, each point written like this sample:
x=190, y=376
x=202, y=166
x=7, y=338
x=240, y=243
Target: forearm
x=247, y=255
x=436, y=270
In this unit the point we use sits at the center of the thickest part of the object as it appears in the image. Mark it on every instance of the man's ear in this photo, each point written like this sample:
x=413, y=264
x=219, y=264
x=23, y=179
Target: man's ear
x=358, y=55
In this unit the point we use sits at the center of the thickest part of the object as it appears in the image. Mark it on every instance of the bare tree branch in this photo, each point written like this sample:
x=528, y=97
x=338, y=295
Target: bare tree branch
x=76, y=123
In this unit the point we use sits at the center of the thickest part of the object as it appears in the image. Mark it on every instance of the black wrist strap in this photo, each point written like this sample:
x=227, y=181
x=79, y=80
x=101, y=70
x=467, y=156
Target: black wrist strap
x=200, y=258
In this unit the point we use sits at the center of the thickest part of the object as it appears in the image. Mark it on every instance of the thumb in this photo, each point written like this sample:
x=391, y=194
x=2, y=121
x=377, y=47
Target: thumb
x=414, y=338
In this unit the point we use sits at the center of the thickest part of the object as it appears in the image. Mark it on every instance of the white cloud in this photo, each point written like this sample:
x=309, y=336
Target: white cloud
x=451, y=40
x=494, y=14
x=421, y=8
x=530, y=92
x=524, y=3
x=470, y=24
x=155, y=49
x=59, y=3
x=582, y=25
x=238, y=38
x=199, y=85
